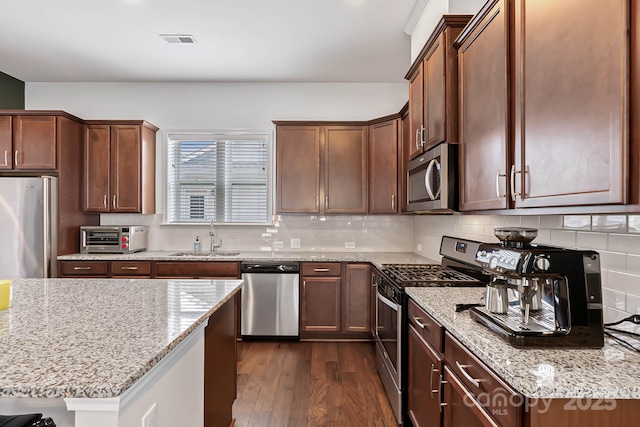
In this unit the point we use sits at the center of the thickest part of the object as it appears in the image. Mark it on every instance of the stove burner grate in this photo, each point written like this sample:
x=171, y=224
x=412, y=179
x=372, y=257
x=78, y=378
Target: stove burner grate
x=406, y=275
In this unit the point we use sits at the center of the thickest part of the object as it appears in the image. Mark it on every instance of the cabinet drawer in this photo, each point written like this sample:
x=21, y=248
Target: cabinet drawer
x=426, y=326
x=496, y=397
x=186, y=269
x=136, y=268
x=321, y=269
x=83, y=268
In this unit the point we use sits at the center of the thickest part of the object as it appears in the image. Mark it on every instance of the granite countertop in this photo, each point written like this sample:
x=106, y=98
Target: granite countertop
x=612, y=372
x=375, y=258
x=94, y=338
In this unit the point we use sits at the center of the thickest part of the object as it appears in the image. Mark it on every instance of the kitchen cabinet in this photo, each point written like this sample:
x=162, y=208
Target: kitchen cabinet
x=335, y=300
x=383, y=166
x=433, y=88
x=119, y=166
x=131, y=269
x=151, y=269
x=321, y=167
x=403, y=157
x=425, y=364
x=28, y=142
x=196, y=269
x=565, y=146
x=83, y=268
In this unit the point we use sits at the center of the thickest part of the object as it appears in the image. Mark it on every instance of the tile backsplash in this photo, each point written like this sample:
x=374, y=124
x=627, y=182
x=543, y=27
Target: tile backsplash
x=615, y=237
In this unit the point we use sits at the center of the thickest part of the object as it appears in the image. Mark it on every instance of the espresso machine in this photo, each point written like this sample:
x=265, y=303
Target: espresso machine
x=540, y=296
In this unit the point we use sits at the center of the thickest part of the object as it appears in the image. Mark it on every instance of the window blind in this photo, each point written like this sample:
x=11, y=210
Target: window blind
x=220, y=177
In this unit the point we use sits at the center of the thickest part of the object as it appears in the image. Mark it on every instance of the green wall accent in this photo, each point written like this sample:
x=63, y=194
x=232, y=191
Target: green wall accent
x=11, y=92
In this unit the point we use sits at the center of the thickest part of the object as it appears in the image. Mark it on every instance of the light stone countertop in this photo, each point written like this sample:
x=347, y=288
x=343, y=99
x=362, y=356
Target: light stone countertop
x=612, y=372
x=87, y=338
x=375, y=258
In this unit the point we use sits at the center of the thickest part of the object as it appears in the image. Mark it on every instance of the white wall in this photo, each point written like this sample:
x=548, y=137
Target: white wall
x=615, y=237
x=432, y=14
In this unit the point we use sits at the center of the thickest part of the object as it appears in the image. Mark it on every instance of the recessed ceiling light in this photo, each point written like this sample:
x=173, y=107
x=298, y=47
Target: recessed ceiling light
x=178, y=38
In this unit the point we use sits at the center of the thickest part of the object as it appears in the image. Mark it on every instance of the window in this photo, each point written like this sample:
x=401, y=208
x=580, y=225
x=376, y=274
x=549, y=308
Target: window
x=221, y=176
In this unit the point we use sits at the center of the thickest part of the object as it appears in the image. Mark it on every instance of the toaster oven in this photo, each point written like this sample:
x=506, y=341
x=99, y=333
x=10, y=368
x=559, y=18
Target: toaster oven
x=113, y=239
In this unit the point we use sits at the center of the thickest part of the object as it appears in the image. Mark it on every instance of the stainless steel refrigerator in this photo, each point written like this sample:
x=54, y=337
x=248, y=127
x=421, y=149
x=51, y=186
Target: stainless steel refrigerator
x=28, y=227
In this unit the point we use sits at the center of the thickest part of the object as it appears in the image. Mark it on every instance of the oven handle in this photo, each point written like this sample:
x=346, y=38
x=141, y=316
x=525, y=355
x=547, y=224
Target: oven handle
x=388, y=302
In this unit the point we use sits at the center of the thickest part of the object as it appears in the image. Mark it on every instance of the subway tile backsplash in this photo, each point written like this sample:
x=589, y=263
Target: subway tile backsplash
x=615, y=237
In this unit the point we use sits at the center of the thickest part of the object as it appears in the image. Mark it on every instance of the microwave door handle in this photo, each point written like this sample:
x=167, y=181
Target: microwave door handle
x=427, y=179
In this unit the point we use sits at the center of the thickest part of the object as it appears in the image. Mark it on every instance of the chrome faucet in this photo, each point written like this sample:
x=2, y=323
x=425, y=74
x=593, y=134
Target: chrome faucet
x=212, y=233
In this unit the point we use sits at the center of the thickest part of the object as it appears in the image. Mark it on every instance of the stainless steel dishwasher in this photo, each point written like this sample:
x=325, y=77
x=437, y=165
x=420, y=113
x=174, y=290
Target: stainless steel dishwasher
x=270, y=300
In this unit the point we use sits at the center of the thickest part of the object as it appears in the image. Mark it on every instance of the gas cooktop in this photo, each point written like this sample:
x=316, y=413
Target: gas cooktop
x=428, y=275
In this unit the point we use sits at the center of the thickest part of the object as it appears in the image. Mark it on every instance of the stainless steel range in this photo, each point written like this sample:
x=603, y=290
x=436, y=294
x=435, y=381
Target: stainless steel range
x=458, y=268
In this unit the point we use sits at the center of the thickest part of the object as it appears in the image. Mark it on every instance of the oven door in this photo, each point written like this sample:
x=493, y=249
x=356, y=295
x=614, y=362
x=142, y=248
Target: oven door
x=388, y=335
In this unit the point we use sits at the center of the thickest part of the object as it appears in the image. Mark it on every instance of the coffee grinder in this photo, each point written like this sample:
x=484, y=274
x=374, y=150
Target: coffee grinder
x=540, y=296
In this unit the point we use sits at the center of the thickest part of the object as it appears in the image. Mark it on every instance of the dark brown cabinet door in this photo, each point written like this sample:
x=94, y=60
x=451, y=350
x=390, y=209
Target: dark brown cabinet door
x=357, y=298
x=97, y=149
x=345, y=169
x=571, y=97
x=298, y=169
x=406, y=146
x=423, y=394
x=484, y=112
x=34, y=142
x=461, y=408
x=6, y=142
x=383, y=168
x=416, y=112
x=434, y=109
x=320, y=304
x=125, y=168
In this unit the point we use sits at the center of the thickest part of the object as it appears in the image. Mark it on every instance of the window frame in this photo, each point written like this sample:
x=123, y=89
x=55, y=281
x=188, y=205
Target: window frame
x=247, y=134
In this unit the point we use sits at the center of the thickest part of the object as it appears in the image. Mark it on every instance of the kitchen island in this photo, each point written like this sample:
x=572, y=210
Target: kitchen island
x=106, y=353
x=553, y=386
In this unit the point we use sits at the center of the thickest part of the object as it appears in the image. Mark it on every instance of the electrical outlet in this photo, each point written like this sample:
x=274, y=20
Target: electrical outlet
x=149, y=419
x=418, y=247
x=278, y=245
x=295, y=243
x=349, y=245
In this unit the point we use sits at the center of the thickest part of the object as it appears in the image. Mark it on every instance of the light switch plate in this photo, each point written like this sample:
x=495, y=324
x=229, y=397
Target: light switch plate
x=418, y=247
x=278, y=245
x=349, y=245
x=295, y=243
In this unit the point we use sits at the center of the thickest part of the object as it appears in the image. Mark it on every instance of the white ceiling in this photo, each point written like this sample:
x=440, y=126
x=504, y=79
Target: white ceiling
x=237, y=40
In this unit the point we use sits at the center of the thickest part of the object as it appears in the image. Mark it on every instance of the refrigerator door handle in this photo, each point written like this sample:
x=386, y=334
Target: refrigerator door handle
x=46, y=196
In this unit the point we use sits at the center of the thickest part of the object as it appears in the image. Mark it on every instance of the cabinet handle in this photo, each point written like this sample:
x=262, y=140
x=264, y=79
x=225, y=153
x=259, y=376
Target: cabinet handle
x=393, y=202
x=104, y=201
x=15, y=158
x=513, y=183
x=82, y=268
x=498, y=175
x=128, y=268
x=416, y=138
x=463, y=369
x=419, y=323
x=326, y=202
x=114, y=201
x=317, y=202
x=441, y=404
x=433, y=368
x=321, y=270
x=6, y=157
x=422, y=141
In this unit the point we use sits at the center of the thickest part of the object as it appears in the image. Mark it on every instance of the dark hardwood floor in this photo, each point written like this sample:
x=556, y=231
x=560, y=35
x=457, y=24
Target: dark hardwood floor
x=299, y=384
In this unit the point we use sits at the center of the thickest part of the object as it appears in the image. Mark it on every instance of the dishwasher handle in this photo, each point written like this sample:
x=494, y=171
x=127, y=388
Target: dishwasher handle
x=268, y=267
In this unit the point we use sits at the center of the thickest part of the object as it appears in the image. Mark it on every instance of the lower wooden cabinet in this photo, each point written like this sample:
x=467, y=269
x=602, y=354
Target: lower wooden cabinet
x=196, y=269
x=150, y=269
x=133, y=269
x=423, y=393
x=83, y=268
x=335, y=300
x=461, y=409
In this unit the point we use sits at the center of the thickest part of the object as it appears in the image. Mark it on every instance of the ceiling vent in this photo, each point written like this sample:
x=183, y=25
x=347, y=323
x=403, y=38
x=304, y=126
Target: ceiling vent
x=178, y=38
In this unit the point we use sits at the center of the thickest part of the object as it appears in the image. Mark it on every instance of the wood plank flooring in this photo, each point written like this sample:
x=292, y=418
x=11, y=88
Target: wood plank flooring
x=299, y=384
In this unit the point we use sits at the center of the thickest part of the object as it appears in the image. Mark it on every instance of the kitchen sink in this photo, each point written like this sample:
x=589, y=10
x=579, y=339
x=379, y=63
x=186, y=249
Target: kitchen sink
x=206, y=253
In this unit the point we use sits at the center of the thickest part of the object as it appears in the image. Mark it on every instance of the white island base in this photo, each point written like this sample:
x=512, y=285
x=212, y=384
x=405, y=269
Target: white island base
x=170, y=394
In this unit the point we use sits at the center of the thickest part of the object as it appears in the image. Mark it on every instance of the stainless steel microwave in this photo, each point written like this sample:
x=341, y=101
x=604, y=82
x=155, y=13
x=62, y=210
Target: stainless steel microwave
x=113, y=239
x=432, y=181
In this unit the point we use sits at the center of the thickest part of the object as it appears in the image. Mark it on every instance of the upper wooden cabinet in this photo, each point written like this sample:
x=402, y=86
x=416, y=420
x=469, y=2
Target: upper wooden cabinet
x=569, y=96
x=433, y=88
x=119, y=167
x=321, y=168
x=383, y=166
x=29, y=142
